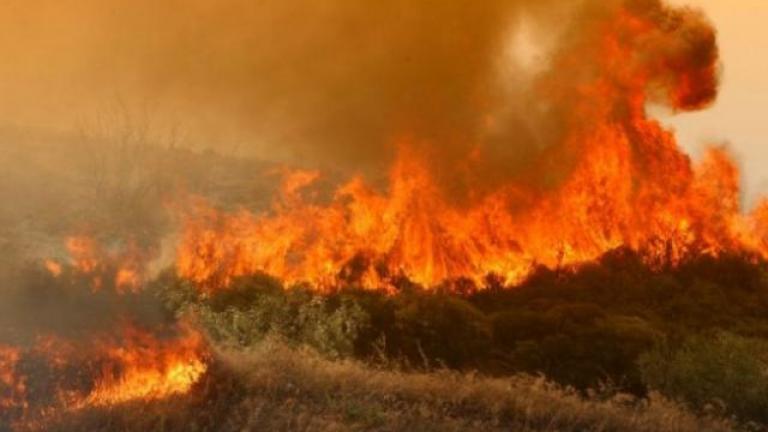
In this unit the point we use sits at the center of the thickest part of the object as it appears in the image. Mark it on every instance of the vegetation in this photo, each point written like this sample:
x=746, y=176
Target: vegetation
x=694, y=333
x=275, y=387
x=723, y=371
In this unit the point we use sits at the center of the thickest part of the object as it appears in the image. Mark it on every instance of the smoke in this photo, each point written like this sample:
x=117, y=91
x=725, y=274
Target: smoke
x=328, y=82
x=34, y=304
x=671, y=54
x=337, y=84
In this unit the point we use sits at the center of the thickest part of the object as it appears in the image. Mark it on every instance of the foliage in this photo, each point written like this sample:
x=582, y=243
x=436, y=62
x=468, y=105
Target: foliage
x=583, y=327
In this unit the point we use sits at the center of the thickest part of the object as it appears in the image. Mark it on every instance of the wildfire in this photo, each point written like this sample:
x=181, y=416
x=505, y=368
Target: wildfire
x=628, y=185
x=12, y=386
x=53, y=267
x=121, y=269
x=143, y=368
x=134, y=365
x=125, y=362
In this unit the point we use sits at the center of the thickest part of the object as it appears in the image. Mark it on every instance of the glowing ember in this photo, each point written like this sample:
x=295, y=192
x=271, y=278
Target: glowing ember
x=12, y=386
x=627, y=185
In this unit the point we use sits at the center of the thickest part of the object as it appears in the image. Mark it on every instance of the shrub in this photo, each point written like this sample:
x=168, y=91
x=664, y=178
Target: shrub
x=720, y=369
x=442, y=328
x=257, y=306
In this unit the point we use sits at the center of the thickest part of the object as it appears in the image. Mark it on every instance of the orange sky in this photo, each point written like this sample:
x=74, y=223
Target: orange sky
x=47, y=77
x=739, y=115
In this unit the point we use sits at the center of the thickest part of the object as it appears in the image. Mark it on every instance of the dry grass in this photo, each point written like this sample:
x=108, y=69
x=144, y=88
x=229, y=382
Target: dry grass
x=274, y=387
x=345, y=395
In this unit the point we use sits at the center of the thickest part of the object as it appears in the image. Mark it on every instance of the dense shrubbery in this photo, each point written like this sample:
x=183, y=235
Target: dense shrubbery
x=615, y=321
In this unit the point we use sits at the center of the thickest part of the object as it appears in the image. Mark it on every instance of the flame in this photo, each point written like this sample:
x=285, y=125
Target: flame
x=145, y=368
x=132, y=365
x=370, y=238
x=12, y=386
x=83, y=251
x=120, y=268
x=124, y=363
x=628, y=185
x=53, y=267
x=121, y=364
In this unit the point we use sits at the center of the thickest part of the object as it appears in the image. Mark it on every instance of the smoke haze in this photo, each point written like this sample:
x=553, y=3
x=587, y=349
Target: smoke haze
x=332, y=82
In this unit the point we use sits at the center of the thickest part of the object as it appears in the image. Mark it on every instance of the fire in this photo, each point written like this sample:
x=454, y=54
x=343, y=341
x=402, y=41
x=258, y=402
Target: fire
x=120, y=364
x=627, y=185
x=144, y=368
x=53, y=267
x=132, y=365
x=83, y=251
x=121, y=269
x=12, y=386
x=54, y=375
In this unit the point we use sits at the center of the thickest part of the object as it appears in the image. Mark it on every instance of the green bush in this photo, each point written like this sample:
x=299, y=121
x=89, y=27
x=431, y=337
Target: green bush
x=710, y=370
x=333, y=325
x=257, y=306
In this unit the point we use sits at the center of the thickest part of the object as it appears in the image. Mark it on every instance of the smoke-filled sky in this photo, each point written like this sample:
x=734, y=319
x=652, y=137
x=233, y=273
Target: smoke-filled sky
x=738, y=116
x=300, y=79
x=333, y=82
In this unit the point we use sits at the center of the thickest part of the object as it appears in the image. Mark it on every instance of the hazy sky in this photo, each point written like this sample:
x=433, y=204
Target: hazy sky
x=739, y=115
x=63, y=58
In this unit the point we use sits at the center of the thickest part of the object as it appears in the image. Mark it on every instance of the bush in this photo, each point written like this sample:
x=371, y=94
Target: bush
x=442, y=329
x=717, y=369
x=257, y=306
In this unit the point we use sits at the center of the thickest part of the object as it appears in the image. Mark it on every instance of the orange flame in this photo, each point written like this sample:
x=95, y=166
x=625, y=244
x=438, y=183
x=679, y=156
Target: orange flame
x=136, y=366
x=53, y=267
x=144, y=368
x=12, y=386
x=124, y=267
x=629, y=185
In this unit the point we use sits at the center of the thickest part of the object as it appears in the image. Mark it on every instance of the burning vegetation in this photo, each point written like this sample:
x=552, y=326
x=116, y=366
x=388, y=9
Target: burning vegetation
x=626, y=184
x=554, y=227
x=56, y=377
x=122, y=354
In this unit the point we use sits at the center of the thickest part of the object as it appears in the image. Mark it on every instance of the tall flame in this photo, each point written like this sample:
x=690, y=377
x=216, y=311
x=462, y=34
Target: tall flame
x=627, y=185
